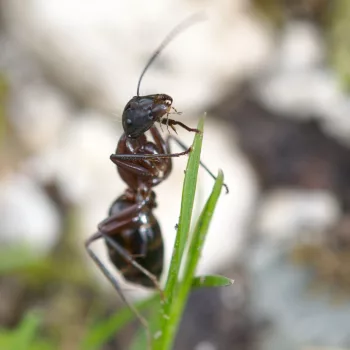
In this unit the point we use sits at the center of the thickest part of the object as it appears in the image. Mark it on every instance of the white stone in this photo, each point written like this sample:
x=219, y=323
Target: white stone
x=39, y=114
x=298, y=83
x=205, y=345
x=286, y=212
x=27, y=215
x=282, y=293
x=80, y=161
x=302, y=46
x=97, y=49
x=36, y=110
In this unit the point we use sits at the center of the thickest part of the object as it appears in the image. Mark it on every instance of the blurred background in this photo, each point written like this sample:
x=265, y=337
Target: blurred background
x=273, y=77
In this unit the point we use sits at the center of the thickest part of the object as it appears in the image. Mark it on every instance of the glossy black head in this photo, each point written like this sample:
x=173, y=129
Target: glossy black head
x=141, y=112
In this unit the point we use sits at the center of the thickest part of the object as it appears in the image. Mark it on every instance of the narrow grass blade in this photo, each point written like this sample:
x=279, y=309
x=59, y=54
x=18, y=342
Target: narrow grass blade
x=188, y=194
x=193, y=256
x=211, y=281
x=5, y=339
x=106, y=329
x=25, y=336
x=26, y=332
x=140, y=339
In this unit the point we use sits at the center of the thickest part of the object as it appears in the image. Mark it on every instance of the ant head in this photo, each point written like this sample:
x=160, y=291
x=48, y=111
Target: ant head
x=141, y=112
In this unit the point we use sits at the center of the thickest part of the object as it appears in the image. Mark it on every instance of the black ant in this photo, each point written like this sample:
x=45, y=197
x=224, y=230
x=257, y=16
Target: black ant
x=131, y=231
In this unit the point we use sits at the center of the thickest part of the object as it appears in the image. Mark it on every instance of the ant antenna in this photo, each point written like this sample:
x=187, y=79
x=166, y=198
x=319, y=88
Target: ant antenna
x=174, y=33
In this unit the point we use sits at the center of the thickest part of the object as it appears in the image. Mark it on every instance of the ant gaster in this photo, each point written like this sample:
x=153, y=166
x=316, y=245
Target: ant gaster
x=131, y=231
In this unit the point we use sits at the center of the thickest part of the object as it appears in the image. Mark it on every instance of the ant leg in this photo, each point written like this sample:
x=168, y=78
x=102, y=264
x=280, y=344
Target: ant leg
x=164, y=148
x=167, y=120
x=131, y=167
x=115, y=157
x=115, y=283
x=176, y=111
x=112, y=226
x=183, y=146
x=172, y=123
x=119, y=159
x=121, y=251
x=124, y=215
x=167, y=124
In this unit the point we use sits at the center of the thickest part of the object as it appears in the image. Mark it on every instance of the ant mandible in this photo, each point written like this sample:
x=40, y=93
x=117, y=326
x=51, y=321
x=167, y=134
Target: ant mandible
x=131, y=231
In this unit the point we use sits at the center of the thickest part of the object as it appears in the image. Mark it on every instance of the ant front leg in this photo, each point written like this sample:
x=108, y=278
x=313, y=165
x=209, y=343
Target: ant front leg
x=122, y=159
x=183, y=146
x=125, y=161
x=172, y=123
x=118, y=159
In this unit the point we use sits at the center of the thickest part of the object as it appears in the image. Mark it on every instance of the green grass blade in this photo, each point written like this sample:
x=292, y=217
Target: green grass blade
x=25, y=336
x=26, y=332
x=107, y=329
x=193, y=256
x=188, y=194
x=6, y=339
x=140, y=339
x=211, y=281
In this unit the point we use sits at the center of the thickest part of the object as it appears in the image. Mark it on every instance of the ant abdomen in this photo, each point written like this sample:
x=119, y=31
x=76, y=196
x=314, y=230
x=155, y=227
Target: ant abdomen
x=143, y=242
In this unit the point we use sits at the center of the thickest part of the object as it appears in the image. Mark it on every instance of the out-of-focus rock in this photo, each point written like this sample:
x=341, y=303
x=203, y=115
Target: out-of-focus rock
x=286, y=153
x=36, y=110
x=300, y=84
x=97, y=50
x=327, y=255
x=80, y=167
x=79, y=163
x=27, y=215
x=299, y=315
x=297, y=81
x=39, y=114
x=288, y=212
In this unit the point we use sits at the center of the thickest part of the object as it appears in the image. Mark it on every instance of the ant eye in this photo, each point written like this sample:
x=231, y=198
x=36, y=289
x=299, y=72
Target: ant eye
x=131, y=105
x=129, y=121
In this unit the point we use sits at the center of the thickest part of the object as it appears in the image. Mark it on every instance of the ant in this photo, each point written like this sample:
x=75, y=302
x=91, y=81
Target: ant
x=131, y=231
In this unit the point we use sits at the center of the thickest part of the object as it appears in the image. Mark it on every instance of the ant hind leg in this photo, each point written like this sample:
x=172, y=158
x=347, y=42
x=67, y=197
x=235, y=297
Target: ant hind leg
x=121, y=251
x=115, y=283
